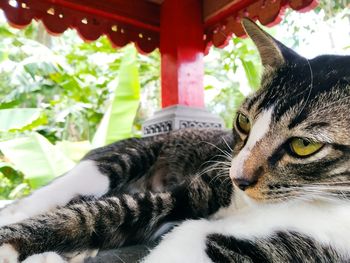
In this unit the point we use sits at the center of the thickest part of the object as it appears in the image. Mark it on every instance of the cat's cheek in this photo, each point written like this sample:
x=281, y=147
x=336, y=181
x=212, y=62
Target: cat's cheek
x=8, y=254
x=186, y=243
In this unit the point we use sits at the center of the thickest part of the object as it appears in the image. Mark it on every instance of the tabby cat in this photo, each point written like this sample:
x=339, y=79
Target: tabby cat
x=275, y=189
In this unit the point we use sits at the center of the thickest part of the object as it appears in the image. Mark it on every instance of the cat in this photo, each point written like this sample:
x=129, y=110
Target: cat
x=273, y=189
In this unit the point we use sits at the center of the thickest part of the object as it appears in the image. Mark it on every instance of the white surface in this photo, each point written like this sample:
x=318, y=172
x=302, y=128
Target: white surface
x=5, y=202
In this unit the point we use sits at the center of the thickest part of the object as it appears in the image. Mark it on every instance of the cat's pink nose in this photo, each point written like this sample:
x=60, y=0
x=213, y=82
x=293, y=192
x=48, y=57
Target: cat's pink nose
x=243, y=183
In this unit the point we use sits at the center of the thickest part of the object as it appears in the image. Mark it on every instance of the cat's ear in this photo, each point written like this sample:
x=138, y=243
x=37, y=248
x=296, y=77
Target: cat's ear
x=273, y=54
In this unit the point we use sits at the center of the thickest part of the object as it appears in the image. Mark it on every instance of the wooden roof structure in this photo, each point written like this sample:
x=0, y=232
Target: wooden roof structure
x=139, y=21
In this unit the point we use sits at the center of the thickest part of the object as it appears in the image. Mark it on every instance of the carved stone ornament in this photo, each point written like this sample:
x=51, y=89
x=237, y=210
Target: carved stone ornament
x=180, y=117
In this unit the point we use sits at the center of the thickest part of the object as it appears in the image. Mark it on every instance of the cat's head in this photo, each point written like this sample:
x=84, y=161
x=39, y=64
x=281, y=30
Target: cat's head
x=295, y=130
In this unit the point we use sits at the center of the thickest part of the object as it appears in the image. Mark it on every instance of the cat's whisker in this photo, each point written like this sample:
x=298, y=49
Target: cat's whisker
x=281, y=198
x=219, y=175
x=308, y=193
x=212, y=168
x=347, y=182
x=225, y=153
x=216, y=164
x=295, y=195
x=282, y=189
x=225, y=157
x=212, y=161
x=228, y=146
x=220, y=162
x=339, y=190
x=329, y=193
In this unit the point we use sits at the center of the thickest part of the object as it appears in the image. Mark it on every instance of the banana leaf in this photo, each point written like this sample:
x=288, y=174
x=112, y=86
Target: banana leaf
x=118, y=120
x=18, y=119
x=74, y=150
x=38, y=159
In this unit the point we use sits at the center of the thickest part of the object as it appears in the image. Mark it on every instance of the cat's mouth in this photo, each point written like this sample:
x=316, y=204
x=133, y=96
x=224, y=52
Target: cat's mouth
x=255, y=194
x=262, y=194
x=253, y=190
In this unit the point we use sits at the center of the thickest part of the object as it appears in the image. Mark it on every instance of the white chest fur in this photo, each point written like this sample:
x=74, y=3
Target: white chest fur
x=326, y=222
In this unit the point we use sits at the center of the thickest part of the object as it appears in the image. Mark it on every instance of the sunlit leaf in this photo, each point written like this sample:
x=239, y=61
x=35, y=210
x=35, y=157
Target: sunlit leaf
x=118, y=120
x=74, y=150
x=37, y=158
x=16, y=119
x=19, y=191
x=252, y=73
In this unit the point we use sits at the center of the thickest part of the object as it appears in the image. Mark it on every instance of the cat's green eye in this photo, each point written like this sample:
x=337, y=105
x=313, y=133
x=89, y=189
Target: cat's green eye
x=243, y=123
x=304, y=147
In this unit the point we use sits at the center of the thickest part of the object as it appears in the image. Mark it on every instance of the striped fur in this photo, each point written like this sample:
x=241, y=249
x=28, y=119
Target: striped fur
x=280, y=247
x=118, y=218
x=112, y=222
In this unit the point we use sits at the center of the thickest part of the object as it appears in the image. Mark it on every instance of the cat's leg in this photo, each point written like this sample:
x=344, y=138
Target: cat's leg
x=85, y=179
x=110, y=222
x=103, y=169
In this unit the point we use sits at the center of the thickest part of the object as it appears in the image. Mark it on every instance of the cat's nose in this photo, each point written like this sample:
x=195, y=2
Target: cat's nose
x=243, y=183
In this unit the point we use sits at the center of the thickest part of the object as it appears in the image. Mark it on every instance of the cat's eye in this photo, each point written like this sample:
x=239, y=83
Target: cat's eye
x=243, y=123
x=303, y=147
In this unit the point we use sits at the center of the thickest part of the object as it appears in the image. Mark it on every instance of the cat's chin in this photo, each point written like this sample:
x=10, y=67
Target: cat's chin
x=257, y=197
x=252, y=197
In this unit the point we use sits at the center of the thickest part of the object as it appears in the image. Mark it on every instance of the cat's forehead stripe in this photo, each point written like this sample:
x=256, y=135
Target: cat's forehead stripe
x=260, y=128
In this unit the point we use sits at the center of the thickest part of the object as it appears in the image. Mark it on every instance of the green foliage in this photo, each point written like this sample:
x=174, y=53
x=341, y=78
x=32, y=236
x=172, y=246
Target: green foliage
x=118, y=120
x=72, y=82
x=332, y=8
x=74, y=150
x=53, y=96
x=240, y=61
x=20, y=119
x=12, y=183
x=36, y=157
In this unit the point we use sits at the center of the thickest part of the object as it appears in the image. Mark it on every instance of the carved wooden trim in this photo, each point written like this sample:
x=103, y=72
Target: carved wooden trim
x=91, y=19
x=125, y=21
x=267, y=12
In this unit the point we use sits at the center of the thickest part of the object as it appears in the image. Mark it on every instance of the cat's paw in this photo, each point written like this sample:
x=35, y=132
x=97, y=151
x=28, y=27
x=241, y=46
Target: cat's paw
x=8, y=254
x=47, y=257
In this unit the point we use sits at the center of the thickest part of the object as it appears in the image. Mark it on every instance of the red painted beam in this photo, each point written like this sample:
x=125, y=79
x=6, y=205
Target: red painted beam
x=182, y=51
x=141, y=14
x=215, y=13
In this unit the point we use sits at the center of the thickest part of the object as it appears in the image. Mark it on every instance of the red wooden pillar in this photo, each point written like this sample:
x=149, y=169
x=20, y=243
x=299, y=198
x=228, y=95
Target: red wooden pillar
x=182, y=70
x=182, y=49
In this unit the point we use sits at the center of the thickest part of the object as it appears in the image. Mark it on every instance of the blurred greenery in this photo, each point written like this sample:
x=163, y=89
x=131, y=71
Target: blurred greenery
x=60, y=97
x=54, y=93
x=332, y=8
x=240, y=54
